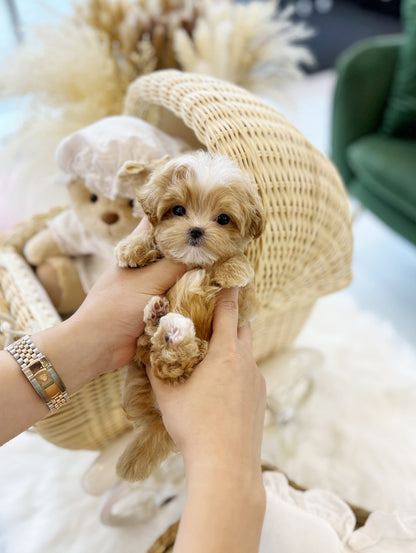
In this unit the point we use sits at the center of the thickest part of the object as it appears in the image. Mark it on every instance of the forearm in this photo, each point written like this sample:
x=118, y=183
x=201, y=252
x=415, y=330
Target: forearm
x=224, y=511
x=20, y=405
x=74, y=353
x=101, y=336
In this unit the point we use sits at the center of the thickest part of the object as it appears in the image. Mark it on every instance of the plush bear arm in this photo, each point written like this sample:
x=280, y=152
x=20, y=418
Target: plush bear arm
x=236, y=271
x=136, y=250
x=41, y=247
x=18, y=236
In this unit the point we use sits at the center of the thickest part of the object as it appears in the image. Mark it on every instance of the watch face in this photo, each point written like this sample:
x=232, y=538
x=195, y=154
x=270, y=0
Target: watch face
x=42, y=376
x=39, y=372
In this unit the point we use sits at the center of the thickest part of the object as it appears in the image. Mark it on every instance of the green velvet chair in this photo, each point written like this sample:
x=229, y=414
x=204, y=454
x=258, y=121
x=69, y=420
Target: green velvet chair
x=375, y=156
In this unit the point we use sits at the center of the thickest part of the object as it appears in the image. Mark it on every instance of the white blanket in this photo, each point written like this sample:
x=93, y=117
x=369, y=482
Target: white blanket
x=352, y=432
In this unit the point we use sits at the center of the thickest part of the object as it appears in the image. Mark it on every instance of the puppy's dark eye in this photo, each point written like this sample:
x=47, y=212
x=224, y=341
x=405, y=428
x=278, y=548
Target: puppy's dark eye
x=179, y=210
x=223, y=219
x=94, y=198
x=131, y=203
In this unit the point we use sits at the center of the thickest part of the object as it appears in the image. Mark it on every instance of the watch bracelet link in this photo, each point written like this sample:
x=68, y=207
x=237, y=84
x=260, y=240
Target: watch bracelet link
x=39, y=372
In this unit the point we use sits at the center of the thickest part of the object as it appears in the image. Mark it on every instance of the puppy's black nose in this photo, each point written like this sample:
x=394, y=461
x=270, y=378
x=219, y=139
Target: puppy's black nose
x=195, y=234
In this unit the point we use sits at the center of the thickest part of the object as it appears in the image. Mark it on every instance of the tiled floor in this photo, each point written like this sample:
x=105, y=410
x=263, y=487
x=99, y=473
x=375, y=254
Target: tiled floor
x=384, y=264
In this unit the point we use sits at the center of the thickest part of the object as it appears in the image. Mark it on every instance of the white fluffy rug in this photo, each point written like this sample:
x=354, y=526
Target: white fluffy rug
x=355, y=431
x=352, y=431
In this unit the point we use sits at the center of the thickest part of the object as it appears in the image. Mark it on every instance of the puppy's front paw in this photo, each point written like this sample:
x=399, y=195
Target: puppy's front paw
x=126, y=252
x=136, y=250
x=236, y=271
x=155, y=309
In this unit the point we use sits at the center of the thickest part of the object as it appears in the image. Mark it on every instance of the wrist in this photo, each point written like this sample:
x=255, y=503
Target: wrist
x=230, y=489
x=243, y=477
x=71, y=352
x=224, y=510
x=239, y=458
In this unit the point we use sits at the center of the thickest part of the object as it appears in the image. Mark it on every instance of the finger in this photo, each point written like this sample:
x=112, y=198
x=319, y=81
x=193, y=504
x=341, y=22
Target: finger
x=225, y=319
x=154, y=382
x=158, y=277
x=244, y=332
x=150, y=375
x=161, y=388
x=144, y=227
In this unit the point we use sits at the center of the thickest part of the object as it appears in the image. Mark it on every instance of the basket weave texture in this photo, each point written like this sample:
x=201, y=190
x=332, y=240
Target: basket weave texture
x=304, y=253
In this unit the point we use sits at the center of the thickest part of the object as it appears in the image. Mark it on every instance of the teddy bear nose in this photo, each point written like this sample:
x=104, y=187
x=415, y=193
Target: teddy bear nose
x=110, y=217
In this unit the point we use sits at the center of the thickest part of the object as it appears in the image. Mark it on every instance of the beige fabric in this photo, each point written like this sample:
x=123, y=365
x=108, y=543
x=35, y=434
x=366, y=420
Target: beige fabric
x=304, y=253
x=92, y=254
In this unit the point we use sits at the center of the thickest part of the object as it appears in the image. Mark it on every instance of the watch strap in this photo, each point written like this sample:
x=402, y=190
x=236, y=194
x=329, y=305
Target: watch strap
x=40, y=373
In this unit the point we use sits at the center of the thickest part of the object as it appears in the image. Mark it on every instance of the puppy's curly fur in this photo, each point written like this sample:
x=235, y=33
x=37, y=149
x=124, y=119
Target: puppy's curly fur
x=204, y=210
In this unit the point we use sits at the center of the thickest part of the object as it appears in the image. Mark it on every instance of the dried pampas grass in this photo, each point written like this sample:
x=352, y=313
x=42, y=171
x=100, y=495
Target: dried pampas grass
x=77, y=70
x=83, y=65
x=253, y=45
x=72, y=81
x=69, y=67
x=127, y=24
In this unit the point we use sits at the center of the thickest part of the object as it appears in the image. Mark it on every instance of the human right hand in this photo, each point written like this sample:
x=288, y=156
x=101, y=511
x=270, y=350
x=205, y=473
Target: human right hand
x=216, y=417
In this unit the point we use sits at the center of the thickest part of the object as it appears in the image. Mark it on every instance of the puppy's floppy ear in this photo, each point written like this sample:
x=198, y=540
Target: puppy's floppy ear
x=132, y=175
x=258, y=217
x=255, y=218
x=137, y=173
x=151, y=193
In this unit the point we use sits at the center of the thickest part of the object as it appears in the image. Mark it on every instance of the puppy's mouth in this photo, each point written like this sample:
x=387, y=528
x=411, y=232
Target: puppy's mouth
x=191, y=248
x=196, y=251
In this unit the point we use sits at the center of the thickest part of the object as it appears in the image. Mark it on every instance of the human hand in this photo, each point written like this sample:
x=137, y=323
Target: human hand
x=102, y=334
x=99, y=337
x=216, y=417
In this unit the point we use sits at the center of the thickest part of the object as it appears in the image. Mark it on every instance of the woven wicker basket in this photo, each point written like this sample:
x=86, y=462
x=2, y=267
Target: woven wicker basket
x=304, y=253
x=23, y=301
x=306, y=249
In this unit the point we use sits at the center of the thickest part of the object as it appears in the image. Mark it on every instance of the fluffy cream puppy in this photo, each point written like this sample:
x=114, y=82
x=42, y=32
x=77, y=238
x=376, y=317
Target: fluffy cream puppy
x=204, y=210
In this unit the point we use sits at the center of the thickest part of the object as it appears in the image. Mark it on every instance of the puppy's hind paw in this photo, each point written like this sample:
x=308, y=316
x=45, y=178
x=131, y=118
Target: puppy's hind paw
x=176, y=328
x=175, y=349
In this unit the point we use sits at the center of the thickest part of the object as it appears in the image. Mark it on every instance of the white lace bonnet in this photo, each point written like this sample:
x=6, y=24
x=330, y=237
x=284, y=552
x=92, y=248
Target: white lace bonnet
x=98, y=153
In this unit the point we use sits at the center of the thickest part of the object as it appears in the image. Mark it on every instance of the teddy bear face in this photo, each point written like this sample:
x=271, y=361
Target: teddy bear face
x=108, y=219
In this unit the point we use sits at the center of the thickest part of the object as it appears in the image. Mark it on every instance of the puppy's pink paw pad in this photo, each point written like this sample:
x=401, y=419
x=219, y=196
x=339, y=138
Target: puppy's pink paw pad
x=155, y=309
x=176, y=328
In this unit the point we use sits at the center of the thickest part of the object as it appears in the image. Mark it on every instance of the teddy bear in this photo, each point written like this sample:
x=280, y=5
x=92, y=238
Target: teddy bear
x=101, y=165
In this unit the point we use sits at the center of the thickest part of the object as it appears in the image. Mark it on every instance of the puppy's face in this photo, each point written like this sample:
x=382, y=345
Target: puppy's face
x=203, y=207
